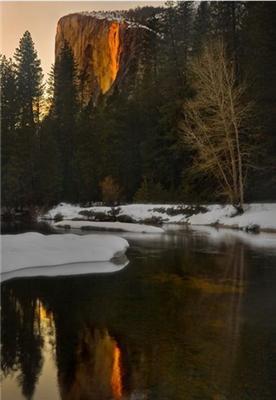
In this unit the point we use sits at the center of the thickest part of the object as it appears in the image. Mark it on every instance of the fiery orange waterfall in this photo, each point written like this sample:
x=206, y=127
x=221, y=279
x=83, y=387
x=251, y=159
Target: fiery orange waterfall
x=114, y=47
x=116, y=377
x=108, y=57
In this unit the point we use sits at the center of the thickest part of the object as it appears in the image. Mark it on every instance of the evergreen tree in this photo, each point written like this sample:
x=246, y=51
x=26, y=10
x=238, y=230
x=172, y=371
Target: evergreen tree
x=185, y=19
x=259, y=64
x=29, y=81
x=64, y=114
x=22, y=174
x=201, y=27
x=9, y=114
x=226, y=19
x=87, y=158
x=48, y=165
x=132, y=133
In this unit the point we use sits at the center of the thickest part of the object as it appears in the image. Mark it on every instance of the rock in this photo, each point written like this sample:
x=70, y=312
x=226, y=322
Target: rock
x=155, y=221
x=104, y=48
x=254, y=228
x=65, y=226
x=58, y=217
x=125, y=218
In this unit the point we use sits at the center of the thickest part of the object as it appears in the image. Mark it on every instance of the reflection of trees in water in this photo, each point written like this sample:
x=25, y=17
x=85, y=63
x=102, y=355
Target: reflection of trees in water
x=168, y=328
x=227, y=318
x=176, y=338
x=21, y=338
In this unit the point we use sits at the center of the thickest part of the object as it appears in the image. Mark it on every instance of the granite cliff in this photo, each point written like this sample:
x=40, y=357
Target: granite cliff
x=105, y=48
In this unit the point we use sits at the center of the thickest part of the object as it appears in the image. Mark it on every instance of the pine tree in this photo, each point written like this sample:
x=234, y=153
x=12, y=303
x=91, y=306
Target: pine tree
x=29, y=81
x=201, y=26
x=226, y=19
x=259, y=64
x=185, y=17
x=64, y=114
x=87, y=156
x=22, y=174
x=9, y=115
x=48, y=165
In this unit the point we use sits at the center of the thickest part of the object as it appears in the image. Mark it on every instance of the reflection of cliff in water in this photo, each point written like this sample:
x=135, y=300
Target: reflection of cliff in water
x=170, y=326
x=95, y=370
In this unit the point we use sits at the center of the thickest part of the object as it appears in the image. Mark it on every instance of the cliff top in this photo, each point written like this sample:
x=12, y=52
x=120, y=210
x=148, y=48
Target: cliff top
x=114, y=16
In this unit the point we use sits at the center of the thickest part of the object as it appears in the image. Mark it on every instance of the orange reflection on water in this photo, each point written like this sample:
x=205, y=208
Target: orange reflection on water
x=42, y=313
x=116, y=377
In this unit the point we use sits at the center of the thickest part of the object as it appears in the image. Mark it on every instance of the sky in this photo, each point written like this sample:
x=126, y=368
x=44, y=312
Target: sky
x=41, y=17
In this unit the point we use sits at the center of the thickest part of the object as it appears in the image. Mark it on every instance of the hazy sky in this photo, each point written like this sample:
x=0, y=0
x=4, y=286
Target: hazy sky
x=40, y=18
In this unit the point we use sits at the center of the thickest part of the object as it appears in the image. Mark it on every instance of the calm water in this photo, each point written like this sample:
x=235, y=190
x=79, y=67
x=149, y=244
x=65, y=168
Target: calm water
x=192, y=317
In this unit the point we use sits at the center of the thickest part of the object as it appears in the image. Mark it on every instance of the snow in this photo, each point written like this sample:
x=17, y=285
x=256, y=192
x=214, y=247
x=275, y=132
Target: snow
x=101, y=267
x=261, y=214
x=139, y=212
x=113, y=16
x=32, y=253
x=109, y=226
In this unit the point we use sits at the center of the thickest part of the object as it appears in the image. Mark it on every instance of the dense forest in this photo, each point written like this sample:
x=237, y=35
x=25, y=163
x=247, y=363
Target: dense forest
x=139, y=143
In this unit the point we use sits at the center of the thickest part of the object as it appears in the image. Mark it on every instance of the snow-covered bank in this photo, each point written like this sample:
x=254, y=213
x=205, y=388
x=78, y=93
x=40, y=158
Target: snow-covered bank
x=262, y=215
x=101, y=267
x=109, y=226
x=32, y=254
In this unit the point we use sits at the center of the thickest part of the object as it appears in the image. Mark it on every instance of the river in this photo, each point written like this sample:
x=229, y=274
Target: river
x=191, y=317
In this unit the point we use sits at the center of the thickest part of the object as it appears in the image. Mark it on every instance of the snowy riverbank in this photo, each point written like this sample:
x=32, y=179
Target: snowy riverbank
x=257, y=216
x=33, y=254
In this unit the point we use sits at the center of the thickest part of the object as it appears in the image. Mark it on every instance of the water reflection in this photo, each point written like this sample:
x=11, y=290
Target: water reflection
x=95, y=372
x=176, y=324
x=22, y=342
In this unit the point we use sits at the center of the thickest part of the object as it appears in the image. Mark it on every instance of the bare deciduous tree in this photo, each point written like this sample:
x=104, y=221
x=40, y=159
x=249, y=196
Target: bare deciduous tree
x=216, y=123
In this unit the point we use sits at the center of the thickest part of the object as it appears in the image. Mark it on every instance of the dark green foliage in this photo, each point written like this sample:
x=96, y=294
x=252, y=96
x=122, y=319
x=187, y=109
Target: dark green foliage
x=150, y=191
x=64, y=116
x=22, y=89
x=29, y=81
x=9, y=115
x=259, y=62
x=202, y=26
x=87, y=160
x=49, y=165
x=132, y=134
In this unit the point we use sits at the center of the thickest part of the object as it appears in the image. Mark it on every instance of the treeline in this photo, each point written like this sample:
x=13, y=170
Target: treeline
x=130, y=146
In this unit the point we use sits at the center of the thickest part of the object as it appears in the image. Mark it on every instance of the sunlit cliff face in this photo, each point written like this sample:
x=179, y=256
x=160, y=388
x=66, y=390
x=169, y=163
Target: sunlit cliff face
x=106, y=50
x=96, y=45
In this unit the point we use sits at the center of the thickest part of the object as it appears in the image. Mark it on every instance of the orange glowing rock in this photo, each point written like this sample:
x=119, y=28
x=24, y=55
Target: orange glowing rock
x=103, y=48
x=96, y=47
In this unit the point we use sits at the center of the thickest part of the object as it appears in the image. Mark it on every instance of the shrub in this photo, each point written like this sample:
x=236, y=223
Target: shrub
x=88, y=214
x=58, y=217
x=153, y=221
x=111, y=191
x=150, y=192
x=125, y=218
